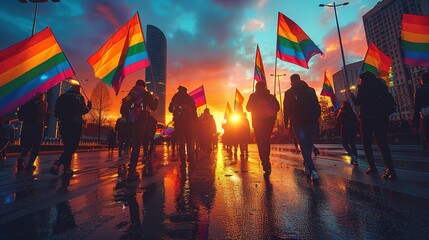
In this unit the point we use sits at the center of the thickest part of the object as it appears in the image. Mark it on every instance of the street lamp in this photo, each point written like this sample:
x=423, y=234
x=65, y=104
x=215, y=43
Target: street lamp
x=35, y=10
x=277, y=76
x=339, y=37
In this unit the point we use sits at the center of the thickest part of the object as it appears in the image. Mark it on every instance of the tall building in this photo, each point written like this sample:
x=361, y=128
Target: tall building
x=383, y=27
x=157, y=49
x=353, y=71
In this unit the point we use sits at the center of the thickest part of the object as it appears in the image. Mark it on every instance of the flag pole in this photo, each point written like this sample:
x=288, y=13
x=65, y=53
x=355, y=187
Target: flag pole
x=204, y=95
x=275, y=62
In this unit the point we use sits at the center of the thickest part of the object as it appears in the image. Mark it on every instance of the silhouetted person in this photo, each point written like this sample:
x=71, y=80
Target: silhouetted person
x=149, y=139
x=33, y=115
x=302, y=108
x=185, y=119
x=123, y=130
x=7, y=135
x=420, y=120
x=207, y=128
x=244, y=134
x=111, y=139
x=264, y=108
x=374, y=120
x=347, y=122
x=140, y=100
x=69, y=109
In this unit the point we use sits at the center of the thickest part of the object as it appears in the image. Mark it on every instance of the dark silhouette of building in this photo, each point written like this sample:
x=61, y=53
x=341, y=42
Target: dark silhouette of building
x=156, y=44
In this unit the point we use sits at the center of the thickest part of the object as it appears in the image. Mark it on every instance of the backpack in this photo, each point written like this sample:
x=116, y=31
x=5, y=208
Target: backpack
x=268, y=106
x=386, y=103
x=305, y=105
x=28, y=112
x=133, y=108
x=62, y=110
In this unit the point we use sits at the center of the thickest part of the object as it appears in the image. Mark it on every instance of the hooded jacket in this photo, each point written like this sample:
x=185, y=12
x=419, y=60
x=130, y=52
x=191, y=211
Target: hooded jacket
x=291, y=110
x=367, y=96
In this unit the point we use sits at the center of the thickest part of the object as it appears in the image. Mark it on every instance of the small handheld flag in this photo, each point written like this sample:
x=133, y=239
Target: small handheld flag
x=199, y=96
x=328, y=91
x=239, y=100
x=377, y=62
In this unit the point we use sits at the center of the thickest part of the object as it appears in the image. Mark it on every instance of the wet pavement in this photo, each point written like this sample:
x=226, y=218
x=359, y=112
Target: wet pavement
x=221, y=196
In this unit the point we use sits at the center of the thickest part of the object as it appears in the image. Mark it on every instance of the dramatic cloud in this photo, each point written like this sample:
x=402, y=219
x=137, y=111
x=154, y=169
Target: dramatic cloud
x=253, y=25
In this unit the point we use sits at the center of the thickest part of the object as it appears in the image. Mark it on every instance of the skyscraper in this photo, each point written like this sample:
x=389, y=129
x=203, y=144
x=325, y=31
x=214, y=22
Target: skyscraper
x=383, y=27
x=156, y=74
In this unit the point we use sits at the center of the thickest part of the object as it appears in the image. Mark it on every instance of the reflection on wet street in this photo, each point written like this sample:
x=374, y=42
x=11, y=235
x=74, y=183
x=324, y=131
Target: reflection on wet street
x=220, y=196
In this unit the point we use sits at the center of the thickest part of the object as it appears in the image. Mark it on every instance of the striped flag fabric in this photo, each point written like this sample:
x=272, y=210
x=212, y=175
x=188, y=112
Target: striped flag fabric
x=199, y=96
x=328, y=91
x=228, y=111
x=293, y=44
x=415, y=40
x=377, y=62
x=124, y=53
x=259, y=74
x=239, y=100
x=31, y=66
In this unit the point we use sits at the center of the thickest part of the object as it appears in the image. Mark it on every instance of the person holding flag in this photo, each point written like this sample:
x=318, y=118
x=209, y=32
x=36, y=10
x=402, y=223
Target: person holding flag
x=69, y=109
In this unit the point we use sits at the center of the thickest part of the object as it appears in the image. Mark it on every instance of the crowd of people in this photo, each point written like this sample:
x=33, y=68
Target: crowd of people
x=137, y=126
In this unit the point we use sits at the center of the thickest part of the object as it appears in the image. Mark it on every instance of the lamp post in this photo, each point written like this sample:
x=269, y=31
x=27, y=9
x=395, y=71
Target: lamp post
x=346, y=83
x=277, y=76
x=35, y=11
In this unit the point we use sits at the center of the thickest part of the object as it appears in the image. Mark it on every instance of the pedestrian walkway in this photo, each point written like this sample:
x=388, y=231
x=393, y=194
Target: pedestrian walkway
x=412, y=166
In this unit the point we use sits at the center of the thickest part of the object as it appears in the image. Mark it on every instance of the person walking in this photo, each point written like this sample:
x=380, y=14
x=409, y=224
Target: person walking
x=32, y=114
x=347, y=123
x=421, y=108
x=69, y=109
x=207, y=128
x=302, y=108
x=7, y=136
x=374, y=119
x=123, y=130
x=264, y=107
x=185, y=119
x=111, y=139
x=136, y=105
x=149, y=139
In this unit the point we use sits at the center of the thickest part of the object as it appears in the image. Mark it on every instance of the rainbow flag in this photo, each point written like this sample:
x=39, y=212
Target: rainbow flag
x=199, y=96
x=259, y=74
x=293, y=44
x=228, y=111
x=31, y=66
x=328, y=91
x=124, y=53
x=239, y=100
x=377, y=62
x=415, y=40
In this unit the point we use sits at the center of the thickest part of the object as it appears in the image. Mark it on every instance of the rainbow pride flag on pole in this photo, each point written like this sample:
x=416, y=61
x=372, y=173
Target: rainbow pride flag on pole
x=199, y=96
x=328, y=91
x=377, y=62
x=228, y=111
x=31, y=66
x=293, y=44
x=415, y=40
x=259, y=74
x=124, y=53
x=239, y=100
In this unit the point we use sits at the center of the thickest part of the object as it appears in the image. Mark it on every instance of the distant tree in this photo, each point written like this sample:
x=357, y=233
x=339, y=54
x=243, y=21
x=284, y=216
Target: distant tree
x=101, y=103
